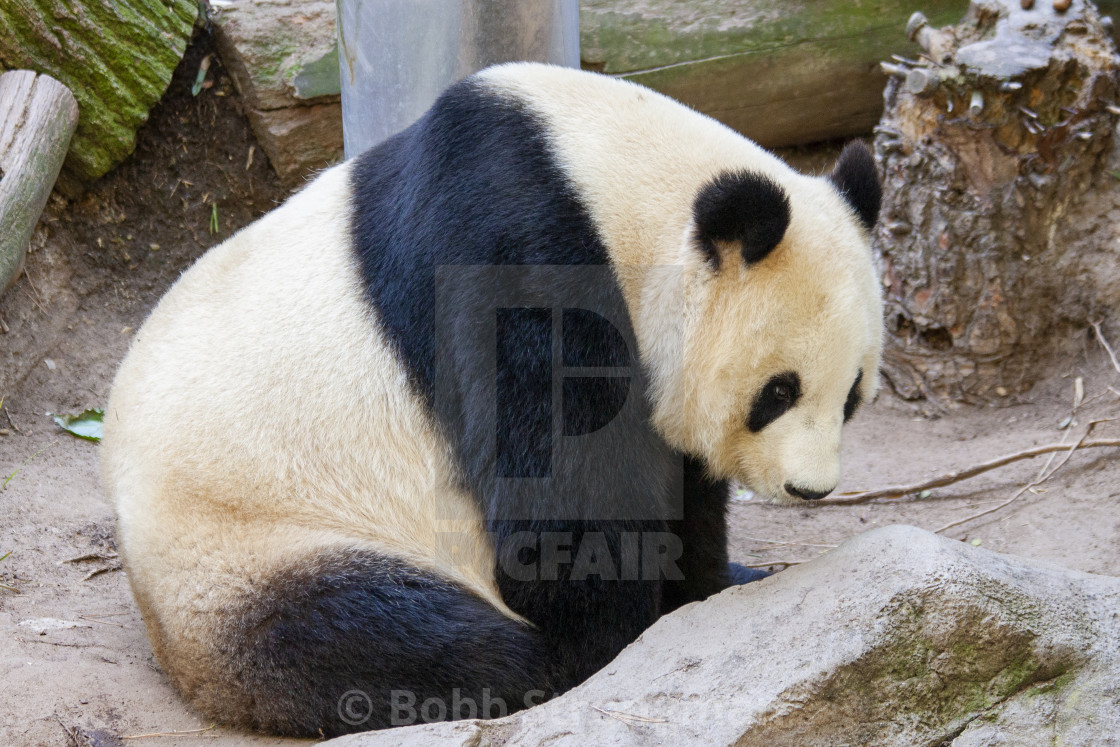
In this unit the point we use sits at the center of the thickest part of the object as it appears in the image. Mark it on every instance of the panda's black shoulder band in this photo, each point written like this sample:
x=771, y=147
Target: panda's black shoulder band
x=744, y=208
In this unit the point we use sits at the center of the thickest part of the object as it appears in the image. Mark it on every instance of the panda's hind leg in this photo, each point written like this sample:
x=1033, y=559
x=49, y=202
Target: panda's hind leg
x=356, y=640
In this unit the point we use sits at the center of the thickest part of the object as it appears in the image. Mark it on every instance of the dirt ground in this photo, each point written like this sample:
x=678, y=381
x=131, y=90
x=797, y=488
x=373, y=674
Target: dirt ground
x=75, y=664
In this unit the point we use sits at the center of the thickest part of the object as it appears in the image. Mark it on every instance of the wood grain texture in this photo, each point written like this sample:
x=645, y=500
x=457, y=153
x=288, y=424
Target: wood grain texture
x=38, y=116
x=782, y=72
x=116, y=57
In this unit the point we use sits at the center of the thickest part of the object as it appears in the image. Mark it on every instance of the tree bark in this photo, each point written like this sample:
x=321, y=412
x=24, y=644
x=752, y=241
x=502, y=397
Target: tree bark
x=992, y=160
x=116, y=57
x=37, y=119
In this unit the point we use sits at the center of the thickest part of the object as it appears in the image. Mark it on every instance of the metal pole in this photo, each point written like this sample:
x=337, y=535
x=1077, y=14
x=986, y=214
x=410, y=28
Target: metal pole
x=397, y=56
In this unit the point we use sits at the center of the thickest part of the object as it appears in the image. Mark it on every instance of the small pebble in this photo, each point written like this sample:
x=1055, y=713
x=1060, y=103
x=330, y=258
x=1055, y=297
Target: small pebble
x=4, y=431
x=1001, y=391
x=1062, y=5
x=50, y=364
x=1027, y=4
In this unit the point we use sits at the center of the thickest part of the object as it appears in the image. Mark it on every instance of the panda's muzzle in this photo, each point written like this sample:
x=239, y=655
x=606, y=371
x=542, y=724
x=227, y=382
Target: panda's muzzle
x=809, y=495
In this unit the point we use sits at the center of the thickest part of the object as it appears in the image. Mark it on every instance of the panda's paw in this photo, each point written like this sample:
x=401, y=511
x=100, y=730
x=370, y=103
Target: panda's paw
x=740, y=574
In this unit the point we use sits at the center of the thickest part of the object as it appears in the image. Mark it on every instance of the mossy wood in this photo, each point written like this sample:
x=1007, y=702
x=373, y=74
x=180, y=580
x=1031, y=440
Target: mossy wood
x=37, y=118
x=782, y=72
x=116, y=57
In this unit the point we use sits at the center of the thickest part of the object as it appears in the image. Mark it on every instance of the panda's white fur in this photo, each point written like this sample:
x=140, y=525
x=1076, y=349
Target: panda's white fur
x=263, y=419
x=714, y=338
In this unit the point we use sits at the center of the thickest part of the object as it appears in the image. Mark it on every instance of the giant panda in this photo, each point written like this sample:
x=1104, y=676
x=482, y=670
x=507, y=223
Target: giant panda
x=452, y=426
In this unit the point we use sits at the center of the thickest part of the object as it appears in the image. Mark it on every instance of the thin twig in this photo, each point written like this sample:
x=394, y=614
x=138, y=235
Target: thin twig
x=787, y=542
x=55, y=643
x=1079, y=401
x=8, y=413
x=37, y=295
x=1107, y=347
x=186, y=733
x=899, y=491
x=94, y=619
x=786, y=563
x=99, y=571
x=1069, y=453
x=70, y=737
x=627, y=718
x=16, y=428
x=90, y=556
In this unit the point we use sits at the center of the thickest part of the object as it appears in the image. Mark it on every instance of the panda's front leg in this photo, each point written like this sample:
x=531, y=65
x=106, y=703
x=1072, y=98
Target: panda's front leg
x=582, y=585
x=703, y=534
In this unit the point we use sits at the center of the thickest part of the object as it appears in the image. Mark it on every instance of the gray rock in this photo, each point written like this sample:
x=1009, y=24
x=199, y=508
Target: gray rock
x=283, y=59
x=898, y=637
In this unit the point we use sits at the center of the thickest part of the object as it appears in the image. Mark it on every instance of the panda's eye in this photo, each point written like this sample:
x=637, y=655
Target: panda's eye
x=778, y=396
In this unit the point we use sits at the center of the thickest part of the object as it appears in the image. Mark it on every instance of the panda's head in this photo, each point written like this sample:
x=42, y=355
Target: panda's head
x=770, y=338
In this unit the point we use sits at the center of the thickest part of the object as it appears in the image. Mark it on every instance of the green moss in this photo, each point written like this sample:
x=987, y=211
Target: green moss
x=274, y=59
x=935, y=671
x=1057, y=684
x=318, y=77
x=116, y=58
x=666, y=32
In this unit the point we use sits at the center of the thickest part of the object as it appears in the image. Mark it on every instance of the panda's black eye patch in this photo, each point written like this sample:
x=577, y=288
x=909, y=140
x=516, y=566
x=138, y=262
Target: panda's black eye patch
x=854, y=398
x=778, y=396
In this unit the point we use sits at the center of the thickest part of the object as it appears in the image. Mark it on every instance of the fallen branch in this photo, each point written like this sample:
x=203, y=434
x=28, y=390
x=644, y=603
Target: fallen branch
x=786, y=563
x=1107, y=347
x=99, y=571
x=630, y=719
x=1081, y=443
x=899, y=491
x=70, y=737
x=186, y=733
x=787, y=542
x=90, y=556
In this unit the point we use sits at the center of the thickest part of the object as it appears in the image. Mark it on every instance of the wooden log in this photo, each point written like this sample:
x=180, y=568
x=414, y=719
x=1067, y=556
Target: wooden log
x=115, y=57
x=38, y=116
x=782, y=72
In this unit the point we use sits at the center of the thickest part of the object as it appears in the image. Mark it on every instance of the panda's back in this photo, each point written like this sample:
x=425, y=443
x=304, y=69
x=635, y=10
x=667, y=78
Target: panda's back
x=274, y=419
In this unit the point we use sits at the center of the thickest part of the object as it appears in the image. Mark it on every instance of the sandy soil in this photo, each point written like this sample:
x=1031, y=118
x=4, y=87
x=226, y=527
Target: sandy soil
x=75, y=665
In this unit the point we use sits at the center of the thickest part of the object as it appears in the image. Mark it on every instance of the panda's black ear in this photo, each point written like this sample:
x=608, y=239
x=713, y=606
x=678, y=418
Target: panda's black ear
x=744, y=209
x=857, y=179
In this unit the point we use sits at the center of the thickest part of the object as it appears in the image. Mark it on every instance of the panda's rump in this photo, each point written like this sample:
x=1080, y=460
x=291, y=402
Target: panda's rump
x=261, y=390
x=261, y=395
x=278, y=636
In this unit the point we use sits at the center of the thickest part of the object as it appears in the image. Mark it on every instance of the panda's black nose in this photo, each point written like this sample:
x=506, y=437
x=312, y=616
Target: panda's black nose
x=809, y=495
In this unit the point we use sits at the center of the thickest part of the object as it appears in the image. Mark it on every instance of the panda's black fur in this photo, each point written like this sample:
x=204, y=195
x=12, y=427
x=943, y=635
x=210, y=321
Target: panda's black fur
x=419, y=206
x=466, y=216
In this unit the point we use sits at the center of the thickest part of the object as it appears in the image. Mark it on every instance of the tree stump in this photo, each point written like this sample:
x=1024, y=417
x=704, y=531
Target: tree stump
x=37, y=118
x=990, y=145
